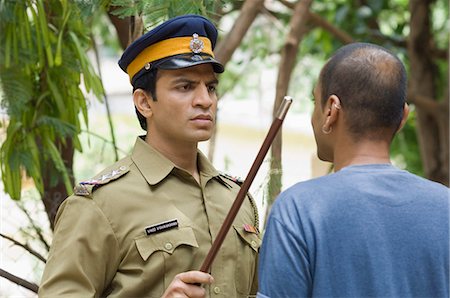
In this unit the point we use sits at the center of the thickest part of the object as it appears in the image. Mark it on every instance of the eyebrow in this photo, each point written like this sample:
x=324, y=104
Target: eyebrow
x=186, y=80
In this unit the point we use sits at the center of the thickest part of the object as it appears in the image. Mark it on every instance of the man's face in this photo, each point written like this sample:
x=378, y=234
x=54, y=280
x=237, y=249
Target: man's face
x=185, y=110
x=324, y=151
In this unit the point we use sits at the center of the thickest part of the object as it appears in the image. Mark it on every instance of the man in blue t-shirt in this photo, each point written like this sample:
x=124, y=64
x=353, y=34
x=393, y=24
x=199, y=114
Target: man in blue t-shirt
x=369, y=229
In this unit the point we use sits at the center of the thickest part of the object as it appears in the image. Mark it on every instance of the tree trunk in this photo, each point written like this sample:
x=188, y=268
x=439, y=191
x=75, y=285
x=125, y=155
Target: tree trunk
x=226, y=47
x=128, y=29
x=54, y=189
x=122, y=26
x=432, y=116
x=288, y=57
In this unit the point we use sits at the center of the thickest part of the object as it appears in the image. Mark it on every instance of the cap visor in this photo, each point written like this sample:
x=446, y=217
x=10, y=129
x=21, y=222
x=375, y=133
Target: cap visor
x=184, y=61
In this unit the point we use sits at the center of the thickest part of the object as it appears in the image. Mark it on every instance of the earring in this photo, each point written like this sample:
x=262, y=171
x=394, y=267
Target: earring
x=338, y=107
x=327, y=132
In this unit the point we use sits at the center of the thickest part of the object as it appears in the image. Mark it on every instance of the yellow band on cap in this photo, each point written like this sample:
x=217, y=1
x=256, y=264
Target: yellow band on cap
x=166, y=48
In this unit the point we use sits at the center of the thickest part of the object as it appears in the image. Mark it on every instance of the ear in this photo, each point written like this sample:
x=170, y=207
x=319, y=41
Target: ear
x=405, y=116
x=142, y=102
x=331, y=110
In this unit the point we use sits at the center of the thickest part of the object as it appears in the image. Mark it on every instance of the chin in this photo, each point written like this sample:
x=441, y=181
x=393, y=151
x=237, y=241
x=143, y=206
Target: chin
x=201, y=137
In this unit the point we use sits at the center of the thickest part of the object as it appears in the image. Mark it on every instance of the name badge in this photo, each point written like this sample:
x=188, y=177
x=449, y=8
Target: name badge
x=161, y=227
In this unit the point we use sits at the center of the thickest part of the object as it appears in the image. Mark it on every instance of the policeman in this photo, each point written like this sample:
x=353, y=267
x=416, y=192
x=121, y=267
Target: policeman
x=142, y=227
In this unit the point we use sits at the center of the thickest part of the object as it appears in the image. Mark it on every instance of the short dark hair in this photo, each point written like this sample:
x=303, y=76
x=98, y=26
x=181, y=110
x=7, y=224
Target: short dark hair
x=370, y=82
x=146, y=82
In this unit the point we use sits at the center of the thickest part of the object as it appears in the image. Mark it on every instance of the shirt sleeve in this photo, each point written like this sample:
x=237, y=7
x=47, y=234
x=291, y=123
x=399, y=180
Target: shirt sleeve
x=84, y=253
x=284, y=269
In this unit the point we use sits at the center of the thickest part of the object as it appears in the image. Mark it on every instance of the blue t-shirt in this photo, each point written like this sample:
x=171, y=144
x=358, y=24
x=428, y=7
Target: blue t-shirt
x=364, y=231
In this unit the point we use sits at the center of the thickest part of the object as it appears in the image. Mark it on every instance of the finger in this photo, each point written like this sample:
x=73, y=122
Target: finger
x=193, y=291
x=195, y=277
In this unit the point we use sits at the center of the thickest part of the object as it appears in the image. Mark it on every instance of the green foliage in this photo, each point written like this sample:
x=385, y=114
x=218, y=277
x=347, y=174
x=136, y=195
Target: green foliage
x=156, y=11
x=405, y=147
x=42, y=65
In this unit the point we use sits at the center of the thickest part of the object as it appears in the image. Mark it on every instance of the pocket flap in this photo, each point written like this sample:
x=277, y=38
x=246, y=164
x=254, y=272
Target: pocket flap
x=252, y=239
x=166, y=241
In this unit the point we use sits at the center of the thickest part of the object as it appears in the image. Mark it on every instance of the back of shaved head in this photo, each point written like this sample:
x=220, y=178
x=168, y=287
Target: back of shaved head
x=370, y=82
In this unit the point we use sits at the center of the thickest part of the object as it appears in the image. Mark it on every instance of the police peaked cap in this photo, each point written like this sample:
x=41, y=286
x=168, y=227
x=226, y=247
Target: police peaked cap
x=180, y=42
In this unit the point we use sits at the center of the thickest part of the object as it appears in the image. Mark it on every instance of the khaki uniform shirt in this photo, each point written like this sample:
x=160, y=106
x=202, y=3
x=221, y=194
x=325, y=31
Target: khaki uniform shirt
x=142, y=221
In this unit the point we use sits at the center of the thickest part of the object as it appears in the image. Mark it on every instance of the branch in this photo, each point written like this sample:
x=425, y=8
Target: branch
x=318, y=21
x=439, y=53
x=425, y=103
x=105, y=140
x=228, y=45
x=19, y=281
x=105, y=96
x=26, y=247
x=297, y=29
x=35, y=227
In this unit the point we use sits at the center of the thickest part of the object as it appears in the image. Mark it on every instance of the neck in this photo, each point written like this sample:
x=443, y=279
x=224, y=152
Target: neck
x=183, y=155
x=361, y=152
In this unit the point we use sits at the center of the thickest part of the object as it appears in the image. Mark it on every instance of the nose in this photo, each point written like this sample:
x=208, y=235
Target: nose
x=203, y=97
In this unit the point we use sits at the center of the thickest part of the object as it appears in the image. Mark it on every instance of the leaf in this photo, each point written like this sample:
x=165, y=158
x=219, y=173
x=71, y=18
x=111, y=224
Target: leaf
x=38, y=36
x=58, y=57
x=59, y=164
x=33, y=168
x=44, y=31
x=63, y=129
x=57, y=97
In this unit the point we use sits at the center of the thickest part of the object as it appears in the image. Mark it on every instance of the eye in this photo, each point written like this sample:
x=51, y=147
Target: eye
x=212, y=88
x=184, y=87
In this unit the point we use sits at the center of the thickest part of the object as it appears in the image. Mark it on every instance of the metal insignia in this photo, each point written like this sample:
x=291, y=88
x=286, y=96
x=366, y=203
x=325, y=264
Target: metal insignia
x=105, y=178
x=85, y=188
x=196, y=45
x=81, y=190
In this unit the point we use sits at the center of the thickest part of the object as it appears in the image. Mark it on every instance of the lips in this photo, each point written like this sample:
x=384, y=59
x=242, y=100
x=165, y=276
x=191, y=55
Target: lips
x=203, y=117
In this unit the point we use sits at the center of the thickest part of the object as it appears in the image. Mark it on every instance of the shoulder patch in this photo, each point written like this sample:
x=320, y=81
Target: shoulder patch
x=86, y=188
x=236, y=180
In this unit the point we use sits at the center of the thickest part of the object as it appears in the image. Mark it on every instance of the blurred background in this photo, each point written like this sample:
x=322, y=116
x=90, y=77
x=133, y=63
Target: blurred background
x=67, y=111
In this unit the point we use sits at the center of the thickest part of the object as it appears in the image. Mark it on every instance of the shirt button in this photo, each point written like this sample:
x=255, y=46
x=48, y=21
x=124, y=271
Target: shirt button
x=168, y=246
x=253, y=243
x=216, y=290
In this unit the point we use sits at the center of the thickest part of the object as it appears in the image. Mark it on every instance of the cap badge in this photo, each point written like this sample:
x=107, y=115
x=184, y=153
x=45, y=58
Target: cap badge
x=196, y=45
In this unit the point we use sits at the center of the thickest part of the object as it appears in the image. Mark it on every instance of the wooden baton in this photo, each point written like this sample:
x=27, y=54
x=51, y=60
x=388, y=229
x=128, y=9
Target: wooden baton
x=276, y=124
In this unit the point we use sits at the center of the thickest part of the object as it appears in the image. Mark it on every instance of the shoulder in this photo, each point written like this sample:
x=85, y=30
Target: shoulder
x=112, y=173
x=309, y=189
x=235, y=182
x=305, y=196
x=227, y=177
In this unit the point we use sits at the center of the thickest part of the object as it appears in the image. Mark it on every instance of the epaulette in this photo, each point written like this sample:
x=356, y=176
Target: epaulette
x=86, y=188
x=236, y=180
x=239, y=182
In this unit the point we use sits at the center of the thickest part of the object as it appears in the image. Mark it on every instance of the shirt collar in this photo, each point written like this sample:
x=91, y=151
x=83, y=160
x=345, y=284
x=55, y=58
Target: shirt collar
x=205, y=167
x=155, y=167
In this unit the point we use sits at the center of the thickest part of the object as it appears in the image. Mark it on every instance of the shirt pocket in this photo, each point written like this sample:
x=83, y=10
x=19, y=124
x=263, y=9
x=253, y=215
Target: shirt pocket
x=160, y=254
x=167, y=241
x=247, y=252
